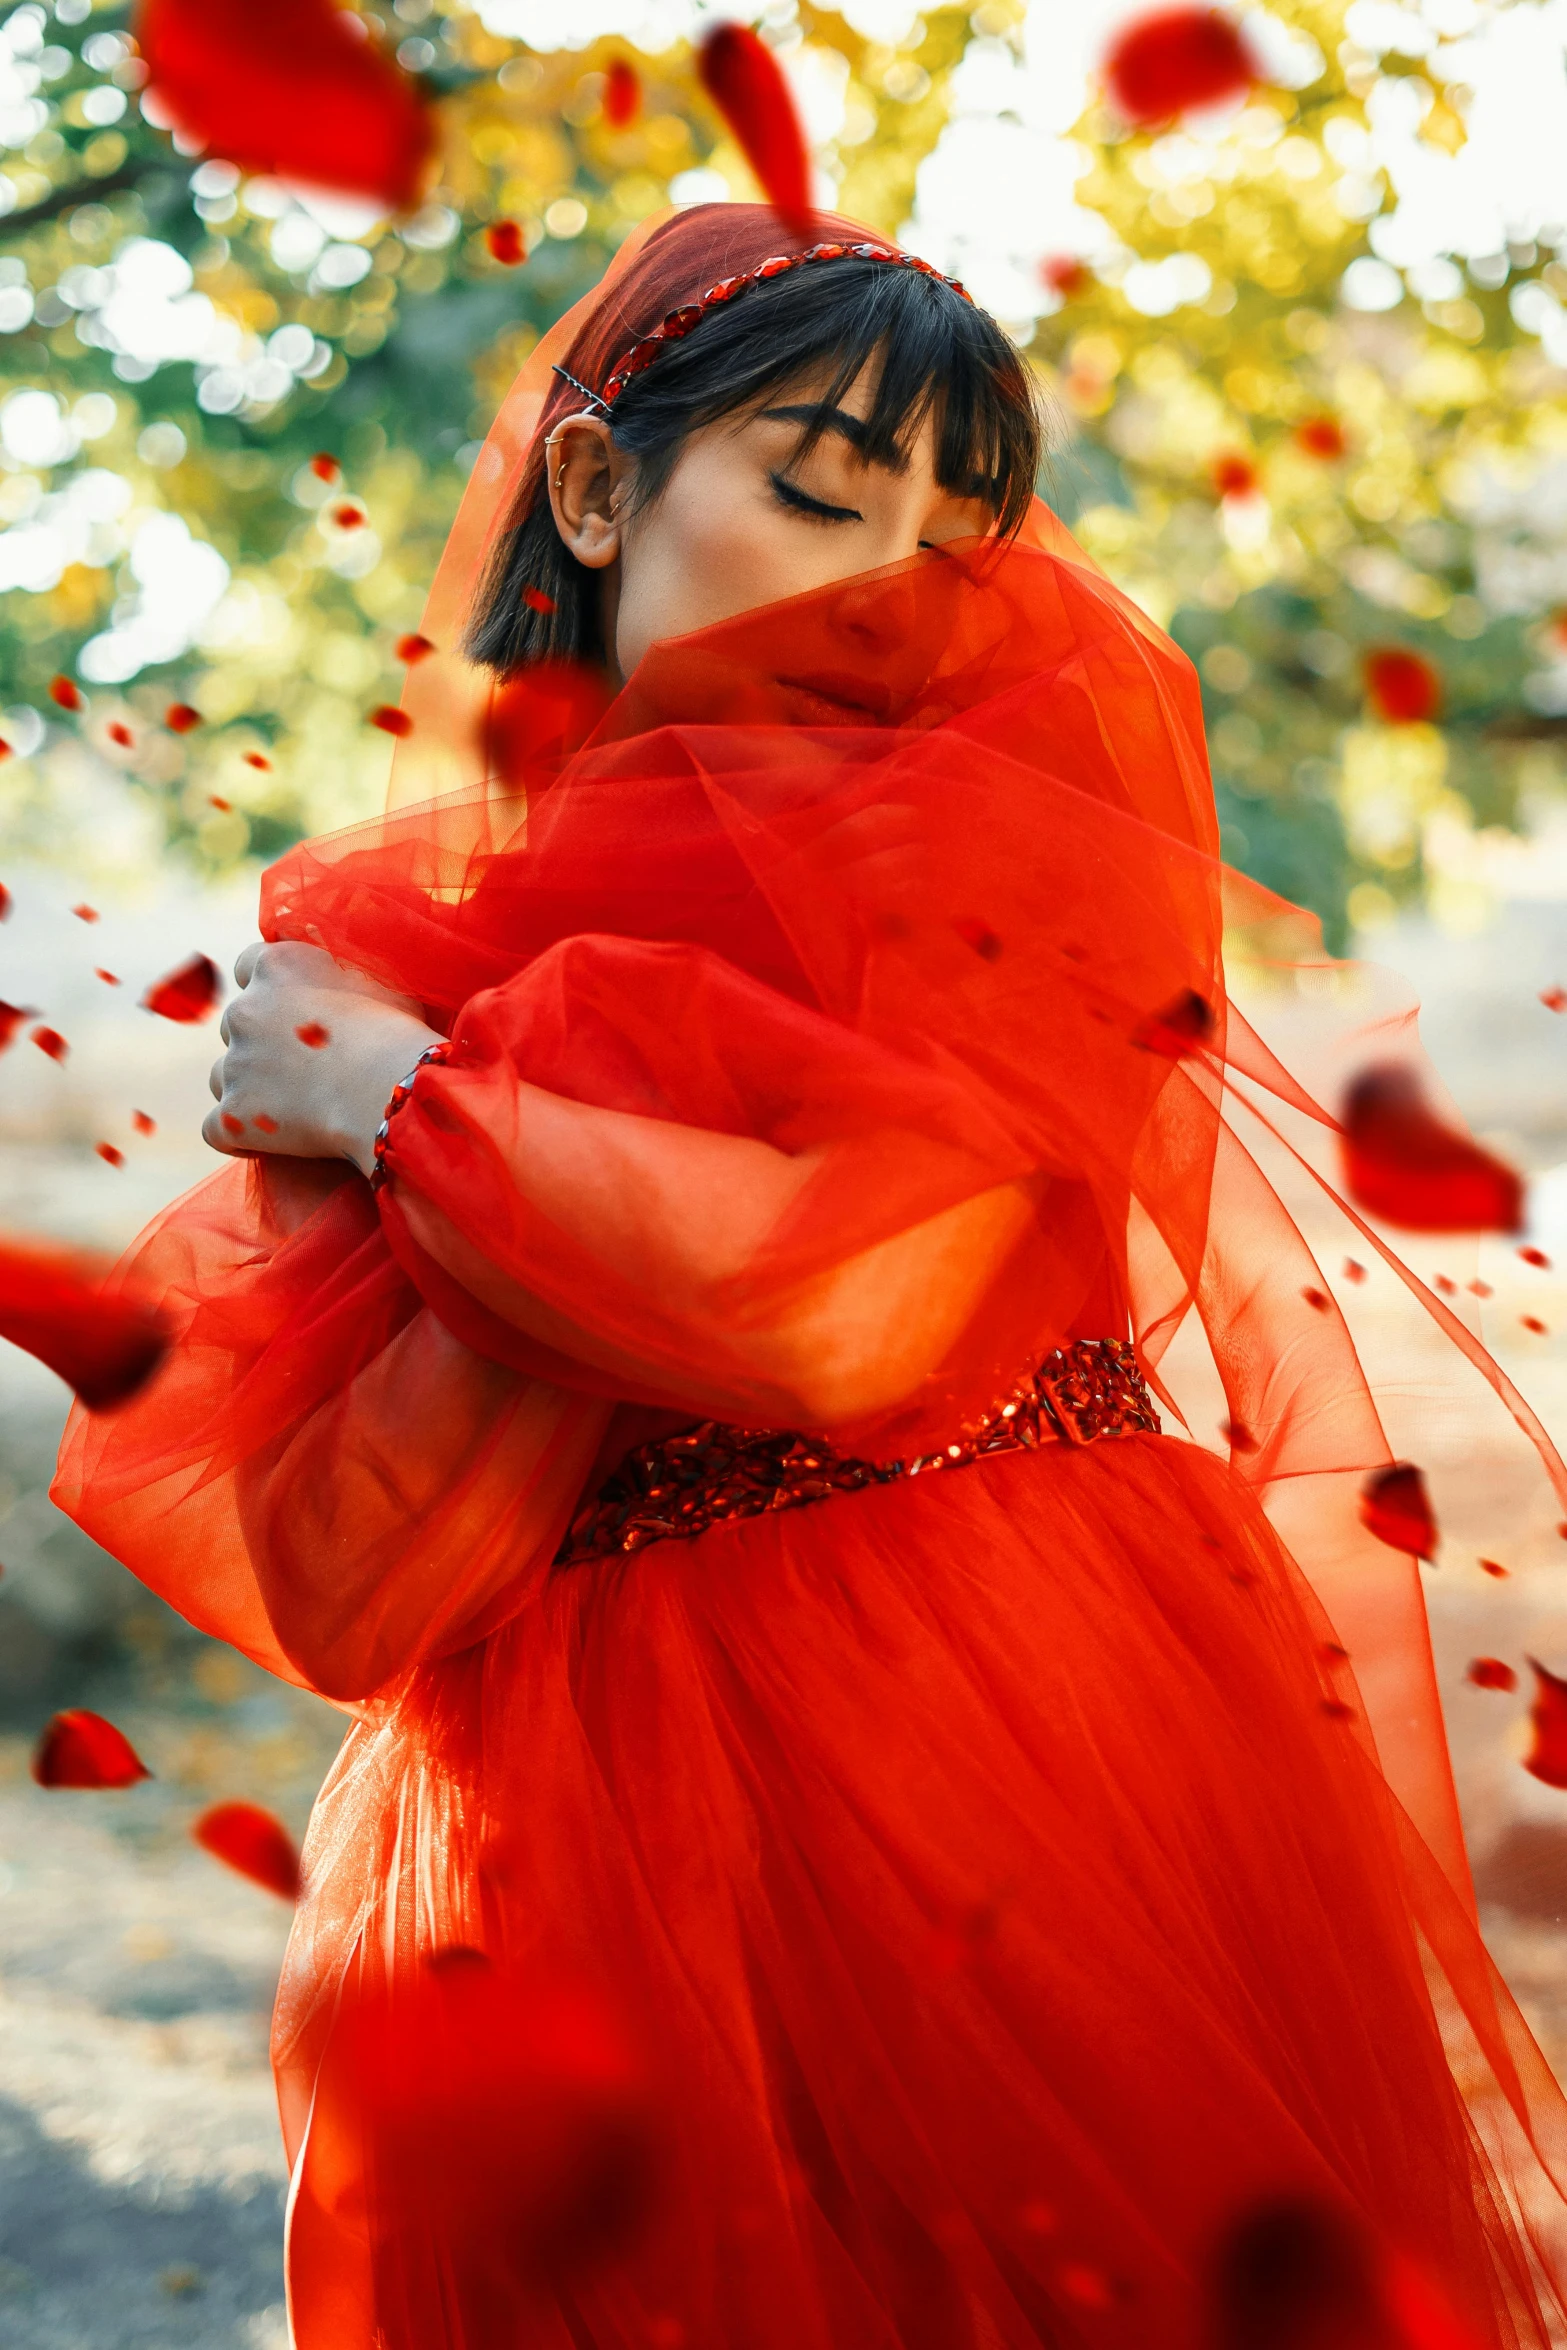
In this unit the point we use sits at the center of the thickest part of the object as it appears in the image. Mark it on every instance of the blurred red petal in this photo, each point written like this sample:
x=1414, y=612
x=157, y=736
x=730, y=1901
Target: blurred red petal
x=258, y=759
x=1234, y=476
x=413, y=648
x=1489, y=1672
x=119, y=733
x=50, y=1041
x=110, y=1153
x=1547, y=1757
x=1317, y=1299
x=1554, y=998
x=5, y=748
x=1494, y=1567
x=1065, y=275
x=313, y=1034
x=507, y=243
x=266, y=1124
x=325, y=467
x=1443, y=1286
x=230, y=1124
x=537, y=601
x=5, y=901
x=1401, y=1162
x=142, y=1123
x=11, y=1019
x=81, y=1749
x=85, y=913
x=391, y=720
x=62, y=1306
x=1396, y=1508
x=188, y=993
x=1479, y=1289
x=1161, y=64
x=1535, y=1256
x=295, y=89
x=66, y=692
x=1179, y=1029
x=978, y=935
x=1403, y=687
x=1321, y=436
x=622, y=94
x=746, y=83
x=224, y=807
x=1533, y=1322
x=253, y=1842
x=349, y=517
x=1297, y=2273
x=109, y=978
x=1237, y=1436
x=548, y=707
x=179, y=718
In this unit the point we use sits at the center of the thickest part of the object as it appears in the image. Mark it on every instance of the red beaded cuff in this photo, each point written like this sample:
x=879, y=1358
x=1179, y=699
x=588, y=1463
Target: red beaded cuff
x=400, y=1094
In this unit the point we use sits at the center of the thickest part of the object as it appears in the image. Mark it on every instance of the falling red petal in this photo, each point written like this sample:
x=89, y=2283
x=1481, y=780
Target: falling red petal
x=291, y=90
x=413, y=648
x=5, y=748
x=1321, y=436
x=1089, y=2287
x=1495, y=1567
x=1479, y=1289
x=1533, y=1322
x=1237, y=1436
x=110, y=1153
x=978, y=935
x=252, y=1841
x=65, y=692
x=348, y=517
x=224, y=807
x=1396, y=1508
x=85, y=913
x=1403, y=1163
x=537, y=601
x=746, y=83
x=81, y=1749
x=119, y=733
x=179, y=718
x=1489, y=1672
x=1235, y=477
x=142, y=1123
x=109, y=978
x=266, y=1124
x=11, y=1019
x=622, y=94
x=1065, y=275
x=507, y=243
x=1317, y=1299
x=5, y=902
x=1443, y=1287
x=63, y=1307
x=258, y=760
x=1180, y=1029
x=1554, y=998
x=1173, y=59
x=188, y=993
x=50, y=1041
x=391, y=720
x=325, y=467
x=1403, y=687
x=1296, y=2273
x=314, y=1035
x=1547, y=1757
x=230, y=1124
x=1536, y=1256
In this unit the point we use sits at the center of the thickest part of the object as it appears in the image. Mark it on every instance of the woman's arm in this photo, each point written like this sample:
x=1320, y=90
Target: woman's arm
x=676, y=1211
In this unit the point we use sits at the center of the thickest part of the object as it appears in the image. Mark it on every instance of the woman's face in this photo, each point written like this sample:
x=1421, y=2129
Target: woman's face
x=745, y=520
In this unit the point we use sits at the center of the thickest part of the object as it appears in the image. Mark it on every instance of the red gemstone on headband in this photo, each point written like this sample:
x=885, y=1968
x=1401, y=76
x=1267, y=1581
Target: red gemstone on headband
x=828, y=252
x=722, y=291
x=777, y=265
x=680, y=322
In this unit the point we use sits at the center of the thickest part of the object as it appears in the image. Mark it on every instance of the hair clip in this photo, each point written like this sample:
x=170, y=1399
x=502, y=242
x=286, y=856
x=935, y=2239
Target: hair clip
x=567, y=377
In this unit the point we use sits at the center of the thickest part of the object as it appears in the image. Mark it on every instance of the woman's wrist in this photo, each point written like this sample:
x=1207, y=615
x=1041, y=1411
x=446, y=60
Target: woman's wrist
x=368, y=1089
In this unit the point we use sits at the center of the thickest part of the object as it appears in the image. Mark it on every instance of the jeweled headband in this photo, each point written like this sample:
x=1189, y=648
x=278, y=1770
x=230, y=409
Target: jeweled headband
x=680, y=322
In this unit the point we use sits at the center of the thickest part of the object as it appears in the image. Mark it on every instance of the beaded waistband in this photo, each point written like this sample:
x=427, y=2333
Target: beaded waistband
x=677, y=1488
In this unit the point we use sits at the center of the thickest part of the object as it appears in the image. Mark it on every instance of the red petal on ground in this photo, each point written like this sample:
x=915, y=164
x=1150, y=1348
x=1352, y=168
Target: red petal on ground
x=313, y=1034
x=66, y=692
x=1489, y=1672
x=1547, y=1757
x=745, y=82
x=325, y=467
x=296, y=90
x=622, y=93
x=1403, y=687
x=81, y=1749
x=1401, y=1162
x=1161, y=64
x=50, y=1041
x=61, y=1306
x=253, y=1841
x=1321, y=436
x=391, y=720
x=110, y=1153
x=507, y=243
x=188, y=993
x=142, y=1123
x=1396, y=1508
x=413, y=648
x=179, y=718
x=1179, y=1029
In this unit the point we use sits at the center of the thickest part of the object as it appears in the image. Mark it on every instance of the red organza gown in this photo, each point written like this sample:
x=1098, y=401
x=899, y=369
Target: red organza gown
x=998, y=1869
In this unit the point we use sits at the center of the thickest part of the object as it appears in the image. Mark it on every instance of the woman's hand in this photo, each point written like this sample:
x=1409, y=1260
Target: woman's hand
x=314, y=1051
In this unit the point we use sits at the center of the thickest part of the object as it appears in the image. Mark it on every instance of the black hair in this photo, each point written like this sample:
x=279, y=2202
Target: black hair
x=536, y=602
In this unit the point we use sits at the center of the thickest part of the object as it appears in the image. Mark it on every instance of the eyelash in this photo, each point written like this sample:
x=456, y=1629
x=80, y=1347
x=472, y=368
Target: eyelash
x=800, y=501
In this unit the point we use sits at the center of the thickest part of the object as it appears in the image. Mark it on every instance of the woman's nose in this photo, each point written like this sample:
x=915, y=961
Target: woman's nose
x=877, y=615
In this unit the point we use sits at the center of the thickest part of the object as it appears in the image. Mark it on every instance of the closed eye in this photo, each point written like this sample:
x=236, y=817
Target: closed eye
x=790, y=494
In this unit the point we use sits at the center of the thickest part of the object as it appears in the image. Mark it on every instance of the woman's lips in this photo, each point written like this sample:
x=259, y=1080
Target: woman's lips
x=839, y=695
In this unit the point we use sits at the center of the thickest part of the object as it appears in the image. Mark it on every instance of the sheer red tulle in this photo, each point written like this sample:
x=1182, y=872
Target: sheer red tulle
x=1006, y=1878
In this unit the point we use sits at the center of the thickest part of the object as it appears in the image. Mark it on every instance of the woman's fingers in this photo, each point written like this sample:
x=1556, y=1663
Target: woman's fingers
x=215, y=1078
x=245, y=963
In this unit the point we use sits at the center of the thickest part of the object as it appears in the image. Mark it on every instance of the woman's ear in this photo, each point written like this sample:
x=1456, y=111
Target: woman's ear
x=586, y=475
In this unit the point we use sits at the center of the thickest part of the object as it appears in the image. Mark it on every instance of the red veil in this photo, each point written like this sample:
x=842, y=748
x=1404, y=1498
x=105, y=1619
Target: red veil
x=961, y=956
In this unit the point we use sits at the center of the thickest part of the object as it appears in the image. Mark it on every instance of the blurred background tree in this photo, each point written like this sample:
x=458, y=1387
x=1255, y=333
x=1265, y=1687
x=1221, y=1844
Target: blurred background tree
x=234, y=423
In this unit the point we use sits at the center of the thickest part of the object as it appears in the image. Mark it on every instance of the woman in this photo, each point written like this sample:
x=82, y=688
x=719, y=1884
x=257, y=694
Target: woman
x=672, y=1356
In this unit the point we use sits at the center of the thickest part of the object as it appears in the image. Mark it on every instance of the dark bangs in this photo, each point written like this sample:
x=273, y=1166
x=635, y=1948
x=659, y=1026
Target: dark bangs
x=937, y=356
